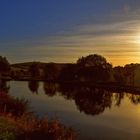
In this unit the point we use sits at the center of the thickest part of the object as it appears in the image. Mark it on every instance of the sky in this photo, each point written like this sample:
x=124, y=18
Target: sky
x=64, y=30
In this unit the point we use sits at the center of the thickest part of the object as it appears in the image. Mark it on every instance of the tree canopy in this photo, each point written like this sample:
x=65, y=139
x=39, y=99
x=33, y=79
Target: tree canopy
x=93, y=60
x=94, y=68
x=34, y=69
x=4, y=64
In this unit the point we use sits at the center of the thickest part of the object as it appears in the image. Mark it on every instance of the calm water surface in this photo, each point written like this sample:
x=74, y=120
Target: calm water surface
x=94, y=113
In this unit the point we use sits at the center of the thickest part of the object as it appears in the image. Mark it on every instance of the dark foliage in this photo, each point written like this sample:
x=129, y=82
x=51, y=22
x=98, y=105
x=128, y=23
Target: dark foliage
x=34, y=70
x=4, y=65
x=33, y=86
x=15, y=107
x=51, y=72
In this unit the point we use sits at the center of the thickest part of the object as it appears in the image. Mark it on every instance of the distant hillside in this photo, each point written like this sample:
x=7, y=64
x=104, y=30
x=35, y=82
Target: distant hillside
x=26, y=65
x=41, y=65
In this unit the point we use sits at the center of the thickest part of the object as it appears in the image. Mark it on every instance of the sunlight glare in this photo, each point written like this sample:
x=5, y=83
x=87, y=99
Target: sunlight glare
x=137, y=39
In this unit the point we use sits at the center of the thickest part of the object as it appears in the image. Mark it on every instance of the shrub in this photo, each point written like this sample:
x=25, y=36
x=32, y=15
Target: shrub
x=17, y=123
x=11, y=105
x=6, y=130
x=28, y=126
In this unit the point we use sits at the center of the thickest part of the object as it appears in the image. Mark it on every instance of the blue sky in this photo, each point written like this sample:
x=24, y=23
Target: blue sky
x=62, y=31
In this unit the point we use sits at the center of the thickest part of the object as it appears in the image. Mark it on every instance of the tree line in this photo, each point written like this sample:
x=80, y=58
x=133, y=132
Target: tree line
x=91, y=68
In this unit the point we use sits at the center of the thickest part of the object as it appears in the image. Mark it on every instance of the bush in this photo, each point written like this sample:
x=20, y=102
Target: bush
x=28, y=126
x=17, y=123
x=11, y=105
x=4, y=65
x=6, y=130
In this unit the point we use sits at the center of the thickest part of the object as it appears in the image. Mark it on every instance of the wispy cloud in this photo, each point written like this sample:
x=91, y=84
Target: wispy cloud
x=115, y=38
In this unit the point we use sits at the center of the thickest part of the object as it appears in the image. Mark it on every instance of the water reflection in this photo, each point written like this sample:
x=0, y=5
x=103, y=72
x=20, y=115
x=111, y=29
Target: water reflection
x=135, y=99
x=89, y=99
x=92, y=100
x=50, y=88
x=4, y=87
x=33, y=86
x=118, y=98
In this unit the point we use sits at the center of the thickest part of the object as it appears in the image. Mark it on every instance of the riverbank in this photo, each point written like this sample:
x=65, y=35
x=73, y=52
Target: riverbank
x=114, y=86
x=17, y=123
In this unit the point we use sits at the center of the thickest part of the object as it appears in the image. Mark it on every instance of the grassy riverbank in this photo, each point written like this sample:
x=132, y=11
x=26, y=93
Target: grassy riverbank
x=17, y=123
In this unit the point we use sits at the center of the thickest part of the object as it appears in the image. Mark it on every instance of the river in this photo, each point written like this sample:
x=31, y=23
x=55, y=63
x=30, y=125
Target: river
x=92, y=112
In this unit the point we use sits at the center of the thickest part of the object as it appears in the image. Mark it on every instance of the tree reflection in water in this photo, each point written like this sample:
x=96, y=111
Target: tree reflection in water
x=135, y=99
x=118, y=98
x=4, y=87
x=50, y=88
x=88, y=99
x=92, y=100
x=33, y=86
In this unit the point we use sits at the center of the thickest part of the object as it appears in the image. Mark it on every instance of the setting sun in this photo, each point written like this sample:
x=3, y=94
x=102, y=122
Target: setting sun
x=137, y=39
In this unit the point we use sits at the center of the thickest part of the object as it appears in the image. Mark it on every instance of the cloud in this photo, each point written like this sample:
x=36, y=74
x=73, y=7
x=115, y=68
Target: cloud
x=114, y=37
x=126, y=9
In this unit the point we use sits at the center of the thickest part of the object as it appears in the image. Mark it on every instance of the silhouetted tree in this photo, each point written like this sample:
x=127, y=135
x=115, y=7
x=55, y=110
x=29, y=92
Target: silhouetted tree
x=69, y=73
x=93, y=60
x=94, y=68
x=34, y=70
x=4, y=65
x=51, y=72
x=119, y=75
x=129, y=73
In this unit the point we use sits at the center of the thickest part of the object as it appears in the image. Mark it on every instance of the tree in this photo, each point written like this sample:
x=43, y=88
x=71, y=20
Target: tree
x=4, y=65
x=94, y=68
x=51, y=72
x=93, y=60
x=119, y=74
x=69, y=73
x=129, y=73
x=34, y=70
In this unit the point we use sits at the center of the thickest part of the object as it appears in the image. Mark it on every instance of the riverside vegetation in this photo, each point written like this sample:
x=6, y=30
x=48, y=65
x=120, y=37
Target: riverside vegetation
x=16, y=122
x=92, y=68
